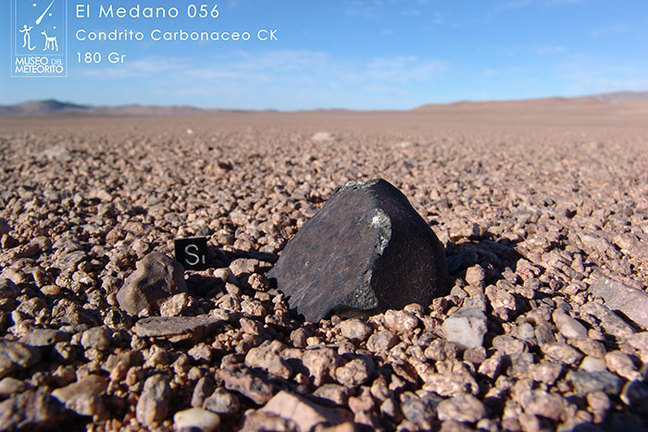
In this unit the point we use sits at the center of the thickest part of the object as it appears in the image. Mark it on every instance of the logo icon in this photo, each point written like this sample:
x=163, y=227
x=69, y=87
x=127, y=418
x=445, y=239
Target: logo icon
x=39, y=38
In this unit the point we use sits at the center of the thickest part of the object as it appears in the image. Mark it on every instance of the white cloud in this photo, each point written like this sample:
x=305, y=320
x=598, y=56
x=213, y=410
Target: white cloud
x=298, y=77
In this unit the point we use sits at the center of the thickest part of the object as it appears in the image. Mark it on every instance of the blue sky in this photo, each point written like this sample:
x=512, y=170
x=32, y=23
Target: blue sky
x=358, y=54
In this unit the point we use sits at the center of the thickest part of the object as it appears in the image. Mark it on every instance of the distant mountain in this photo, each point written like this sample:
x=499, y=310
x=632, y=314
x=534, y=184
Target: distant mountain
x=541, y=103
x=41, y=107
x=619, y=97
x=54, y=107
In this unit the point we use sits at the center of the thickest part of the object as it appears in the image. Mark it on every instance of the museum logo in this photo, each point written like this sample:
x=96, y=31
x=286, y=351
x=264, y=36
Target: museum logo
x=39, y=38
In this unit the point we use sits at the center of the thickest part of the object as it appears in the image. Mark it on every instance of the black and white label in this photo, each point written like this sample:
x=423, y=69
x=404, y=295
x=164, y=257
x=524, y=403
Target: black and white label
x=192, y=253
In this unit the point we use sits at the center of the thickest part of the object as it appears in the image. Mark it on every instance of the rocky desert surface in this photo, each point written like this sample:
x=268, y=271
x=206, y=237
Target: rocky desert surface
x=542, y=208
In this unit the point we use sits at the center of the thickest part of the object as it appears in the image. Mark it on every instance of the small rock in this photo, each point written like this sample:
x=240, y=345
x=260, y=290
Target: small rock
x=590, y=347
x=57, y=153
x=259, y=390
x=611, y=322
x=266, y=357
x=385, y=244
x=33, y=410
x=622, y=365
x=97, y=337
x=305, y=413
x=153, y=404
x=639, y=341
x=562, y=352
x=174, y=305
x=450, y=384
x=356, y=372
x=400, y=321
x=69, y=261
x=545, y=372
x=16, y=356
x=45, y=337
x=201, y=353
x=508, y=345
x=541, y=403
x=592, y=364
x=9, y=386
x=420, y=409
x=354, y=329
x=476, y=276
x=196, y=326
x=323, y=137
x=222, y=402
x=4, y=226
x=462, y=408
x=321, y=364
x=466, y=327
x=381, y=341
x=599, y=403
x=84, y=396
x=568, y=326
x=617, y=296
x=500, y=297
x=204, y=387
x=243, y=266
x=333, y=393
x=196, y=419
x=156, y=278
x=441, y=350
x=585, y=382
x=261, y=421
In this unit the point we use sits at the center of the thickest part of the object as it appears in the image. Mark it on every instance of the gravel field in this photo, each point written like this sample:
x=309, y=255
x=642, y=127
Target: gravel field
x=543, y=213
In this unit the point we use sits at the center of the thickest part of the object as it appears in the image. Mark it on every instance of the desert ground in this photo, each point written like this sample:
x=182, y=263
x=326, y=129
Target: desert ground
x=542, y=208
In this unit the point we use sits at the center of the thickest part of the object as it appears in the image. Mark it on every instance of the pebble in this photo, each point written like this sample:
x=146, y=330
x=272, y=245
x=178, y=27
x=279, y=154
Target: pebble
x=568, y=326
x=354, y=329
x=156, y=279
x=381, y=341
x=84, y=396
x=15, y=356
x=333, y=393
x=97, y=337
x=9, y=386
x=153, y=404
x=562, y=352
x=592, y=364
x=585, y=382
x=462, y=408
x=196, y=419
x=476, y=276
x=400, y=321
x=222, y=402
x=356, y=372
x=632, y=302
x=175, y=326
x=45, y=337
x=466, y=327
x=543, y=404
x=33, y=410
x=420, y=409
x=4, y=226
x=305, y=413
x=203, y=389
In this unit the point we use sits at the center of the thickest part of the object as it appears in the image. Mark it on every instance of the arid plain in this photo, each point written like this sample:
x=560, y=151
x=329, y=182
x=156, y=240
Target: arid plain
x=542, y=207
